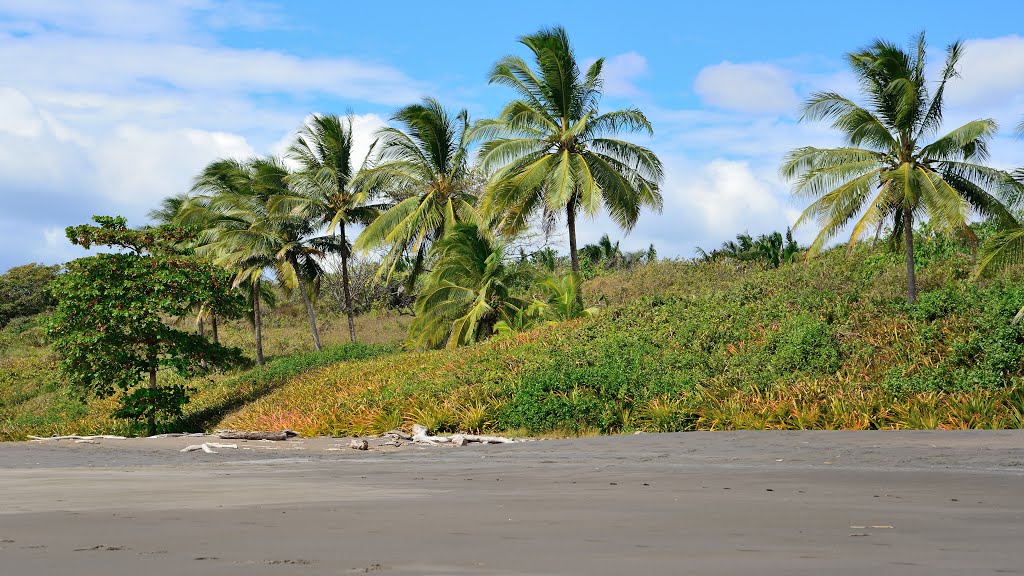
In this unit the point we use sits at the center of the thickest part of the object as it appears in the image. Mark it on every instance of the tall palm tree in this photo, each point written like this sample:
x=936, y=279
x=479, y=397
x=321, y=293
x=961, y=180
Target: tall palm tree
x=889, y=171
x=468, y=291
x=552, y=152
x=423, y=167
x=323, y=191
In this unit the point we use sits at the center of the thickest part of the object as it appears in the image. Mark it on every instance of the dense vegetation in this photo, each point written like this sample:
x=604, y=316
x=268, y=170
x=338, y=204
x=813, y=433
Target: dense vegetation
x=830, y=343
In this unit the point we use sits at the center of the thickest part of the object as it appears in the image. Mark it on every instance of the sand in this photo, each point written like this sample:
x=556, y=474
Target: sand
x=693, y=503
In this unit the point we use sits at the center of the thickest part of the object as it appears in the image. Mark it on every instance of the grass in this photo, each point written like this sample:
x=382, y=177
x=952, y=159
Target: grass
x=34, y=401
x=826, y=344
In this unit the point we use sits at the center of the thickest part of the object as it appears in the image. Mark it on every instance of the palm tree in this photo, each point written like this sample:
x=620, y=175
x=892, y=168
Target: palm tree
x=552, y=152
x=423, y=168
x=468, y=291
x=888, y=172
x=242, y=233
x=603, y=251
x=323, y=191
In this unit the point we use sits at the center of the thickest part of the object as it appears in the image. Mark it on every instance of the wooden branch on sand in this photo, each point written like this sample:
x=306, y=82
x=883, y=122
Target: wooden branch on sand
x=76, y=437
x=421, y=435
x=208, y=447
x=277, y=435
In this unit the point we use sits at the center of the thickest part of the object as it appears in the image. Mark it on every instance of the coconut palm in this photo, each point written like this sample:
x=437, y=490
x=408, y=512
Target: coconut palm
x=553, y=153
x=890, y=172
x=244, y=234
x=468, y=291
x=423, y=167
x=322, y=190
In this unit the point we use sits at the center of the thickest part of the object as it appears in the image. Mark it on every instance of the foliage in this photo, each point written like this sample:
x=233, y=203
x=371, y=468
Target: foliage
x=25, y=291
x=889, y=171
x=322, y=192
x=467, y=293
x=826, y=344
x=551, y=152
x=771, y=249
x=423, y=169
x=109, y=326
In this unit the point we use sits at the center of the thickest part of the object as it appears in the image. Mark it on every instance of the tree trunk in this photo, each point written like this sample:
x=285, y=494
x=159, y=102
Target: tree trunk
x=151, y=417
x=570, y=216
x=344, y=283
x=257, y=321
x=202, y=332
x=309, y=307
x=574, y=257
x=213, y=325
x=908, y=238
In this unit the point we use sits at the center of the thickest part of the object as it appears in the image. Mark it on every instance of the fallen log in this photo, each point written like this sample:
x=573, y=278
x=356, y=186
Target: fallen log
x=277, y=435
x=421, y=435
x=77, y=437
x=207, y=447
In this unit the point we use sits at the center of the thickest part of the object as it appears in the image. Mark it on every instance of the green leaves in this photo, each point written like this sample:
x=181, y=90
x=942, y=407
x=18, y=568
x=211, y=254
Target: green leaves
x=109, y=329
x=887, y=173
x=551, y=151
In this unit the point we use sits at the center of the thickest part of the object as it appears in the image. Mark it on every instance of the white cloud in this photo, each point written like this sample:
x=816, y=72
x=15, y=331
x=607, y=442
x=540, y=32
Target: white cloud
x=991, y=74
x=137, y=167
x=364, y=128
x=621, y=73
x=758, y=88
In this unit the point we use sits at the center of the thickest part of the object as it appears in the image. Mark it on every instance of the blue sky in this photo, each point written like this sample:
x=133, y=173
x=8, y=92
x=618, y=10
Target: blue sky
x=106, y=106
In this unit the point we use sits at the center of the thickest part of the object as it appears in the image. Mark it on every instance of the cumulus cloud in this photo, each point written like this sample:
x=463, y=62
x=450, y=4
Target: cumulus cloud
x=755, y=87
x=621, y=73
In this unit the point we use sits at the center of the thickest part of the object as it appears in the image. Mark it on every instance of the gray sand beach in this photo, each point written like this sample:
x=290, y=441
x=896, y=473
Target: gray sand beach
x=691, y=503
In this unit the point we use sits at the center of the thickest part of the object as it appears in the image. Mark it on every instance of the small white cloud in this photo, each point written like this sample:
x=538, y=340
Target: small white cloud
x=621, y=73
x=756, y=88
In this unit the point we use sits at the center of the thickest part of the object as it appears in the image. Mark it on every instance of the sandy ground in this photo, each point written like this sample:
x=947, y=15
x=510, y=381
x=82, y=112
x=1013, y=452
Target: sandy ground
x=695, y=503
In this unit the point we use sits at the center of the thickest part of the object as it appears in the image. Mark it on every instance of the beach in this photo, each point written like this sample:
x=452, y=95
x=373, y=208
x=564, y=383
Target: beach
x=892, y=502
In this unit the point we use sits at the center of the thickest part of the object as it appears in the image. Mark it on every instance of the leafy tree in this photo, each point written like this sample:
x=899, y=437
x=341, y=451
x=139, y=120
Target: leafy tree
x=423, y=168
x=109, y=326
x=323, y=191
x=25, y=290
x=468, y=291
x=889, y=172
x=553, y=153
x=169, y=214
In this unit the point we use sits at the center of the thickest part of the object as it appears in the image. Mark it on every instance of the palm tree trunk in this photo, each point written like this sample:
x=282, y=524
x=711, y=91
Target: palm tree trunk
x=574, y=257
x=309, y=307
x=213, y=325
x=344, y=284
x=151, y=417
x=257, y=321
x=908, y=238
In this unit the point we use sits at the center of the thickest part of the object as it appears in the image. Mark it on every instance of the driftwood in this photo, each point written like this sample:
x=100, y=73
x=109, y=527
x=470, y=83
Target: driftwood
x=359, y=444
x=180, y=435
x=421, y=435
x=77, y=437
x=207, y=447
x=398, y=434
x=256, y=435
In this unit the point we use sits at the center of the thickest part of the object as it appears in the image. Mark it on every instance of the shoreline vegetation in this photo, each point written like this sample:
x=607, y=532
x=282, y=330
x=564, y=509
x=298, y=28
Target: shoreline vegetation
x=716, y=345
x=448, y=311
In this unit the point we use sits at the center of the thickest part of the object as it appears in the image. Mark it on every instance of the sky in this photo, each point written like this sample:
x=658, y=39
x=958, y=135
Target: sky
x=108, y=106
